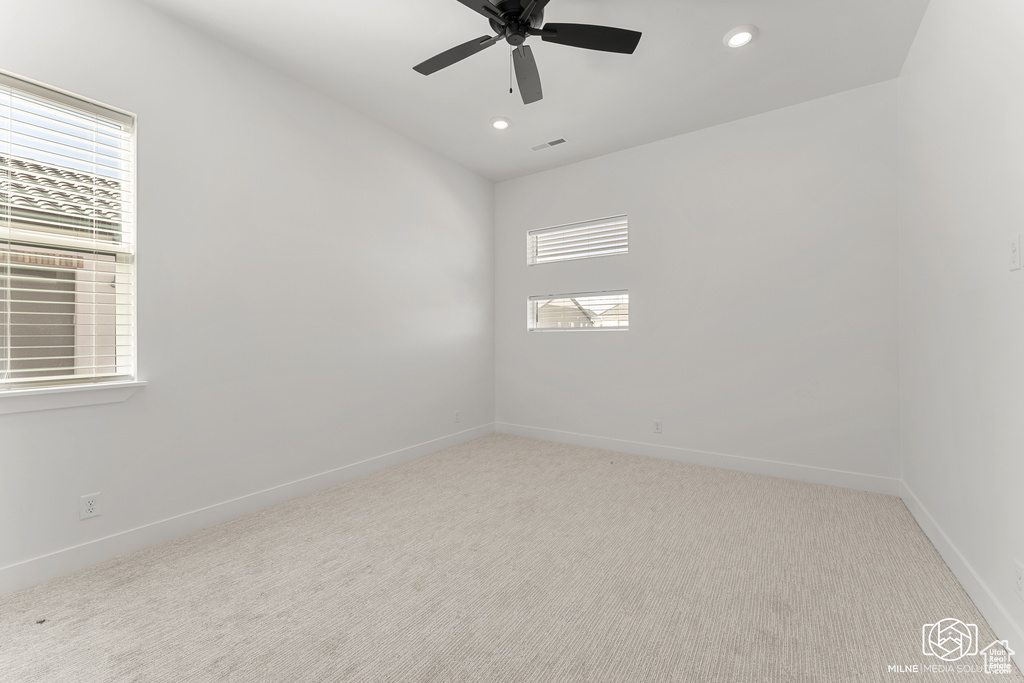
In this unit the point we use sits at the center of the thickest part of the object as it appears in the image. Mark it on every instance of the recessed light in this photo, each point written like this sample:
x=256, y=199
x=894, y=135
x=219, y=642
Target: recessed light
x=740, y=36
x=500, y=122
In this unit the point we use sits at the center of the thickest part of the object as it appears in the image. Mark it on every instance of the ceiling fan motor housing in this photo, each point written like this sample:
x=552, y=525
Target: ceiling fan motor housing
x=514, y=31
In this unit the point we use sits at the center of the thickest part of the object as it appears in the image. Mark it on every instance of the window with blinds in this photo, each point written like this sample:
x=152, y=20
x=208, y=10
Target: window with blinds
x=605, y=237
x=67, y=239
x=584, y=311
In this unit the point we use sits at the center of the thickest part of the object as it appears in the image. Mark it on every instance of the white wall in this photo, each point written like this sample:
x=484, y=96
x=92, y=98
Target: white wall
x=962, y=309
x=763, y=297
x=314, y=291
x=763, y=277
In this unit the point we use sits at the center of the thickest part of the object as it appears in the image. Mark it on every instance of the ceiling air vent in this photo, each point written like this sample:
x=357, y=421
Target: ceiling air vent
x=552, y=143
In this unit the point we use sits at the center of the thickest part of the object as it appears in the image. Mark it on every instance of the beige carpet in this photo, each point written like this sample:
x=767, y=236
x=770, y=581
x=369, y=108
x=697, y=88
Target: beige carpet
x=511, y=559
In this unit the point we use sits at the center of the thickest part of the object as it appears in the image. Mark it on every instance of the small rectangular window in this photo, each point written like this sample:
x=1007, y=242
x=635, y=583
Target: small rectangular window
x=584, y=311
x=67, y=239
x=605, y=237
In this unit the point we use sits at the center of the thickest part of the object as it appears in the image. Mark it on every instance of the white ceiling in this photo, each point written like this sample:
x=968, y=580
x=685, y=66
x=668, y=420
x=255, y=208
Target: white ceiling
x=681, y=78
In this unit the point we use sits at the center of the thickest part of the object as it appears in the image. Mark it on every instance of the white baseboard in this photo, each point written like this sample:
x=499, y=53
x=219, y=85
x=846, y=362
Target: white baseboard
x=817, y=475
x=1004, y=625
x=28, y=572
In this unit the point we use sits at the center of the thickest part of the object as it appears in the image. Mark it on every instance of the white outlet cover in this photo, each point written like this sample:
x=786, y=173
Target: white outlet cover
x=89, y=506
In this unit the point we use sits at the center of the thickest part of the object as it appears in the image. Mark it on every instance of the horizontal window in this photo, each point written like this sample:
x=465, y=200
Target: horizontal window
x=67, y=239
x=583, y=311
x=605, y=237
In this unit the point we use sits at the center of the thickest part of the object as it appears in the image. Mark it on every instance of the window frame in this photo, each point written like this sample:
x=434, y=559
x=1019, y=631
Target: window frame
x=618, y=248
x=532, y=311
x=123, y=381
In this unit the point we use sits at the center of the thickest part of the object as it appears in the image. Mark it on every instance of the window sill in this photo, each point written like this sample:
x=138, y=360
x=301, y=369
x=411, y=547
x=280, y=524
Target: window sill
x=51, y=398
x=578, y=329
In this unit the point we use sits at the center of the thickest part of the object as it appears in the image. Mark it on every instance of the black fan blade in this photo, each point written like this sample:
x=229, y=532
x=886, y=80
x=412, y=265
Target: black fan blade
x=589, y=37
x=485, y=8
x=456, y=54
x=531, y=7
x=527, y=75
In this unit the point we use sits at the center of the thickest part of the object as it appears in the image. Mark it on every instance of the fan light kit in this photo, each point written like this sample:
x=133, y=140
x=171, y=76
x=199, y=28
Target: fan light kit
x=500, y=122
x=514, y=21
x=740, y=36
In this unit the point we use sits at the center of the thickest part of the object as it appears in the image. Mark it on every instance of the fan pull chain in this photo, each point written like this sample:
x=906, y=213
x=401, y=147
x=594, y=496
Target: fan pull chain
x=509, y=69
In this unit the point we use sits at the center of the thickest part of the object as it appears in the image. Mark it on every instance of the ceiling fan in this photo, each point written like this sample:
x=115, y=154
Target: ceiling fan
x=514, y=21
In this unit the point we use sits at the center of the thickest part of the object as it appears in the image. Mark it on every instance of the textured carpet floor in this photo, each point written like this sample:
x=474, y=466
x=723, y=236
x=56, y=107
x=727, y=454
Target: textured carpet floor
x=511, y=559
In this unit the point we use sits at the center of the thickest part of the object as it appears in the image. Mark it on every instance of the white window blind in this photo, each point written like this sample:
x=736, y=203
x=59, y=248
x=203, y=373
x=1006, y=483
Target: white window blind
x=605, y=237
x=67, y=239
x=583, y=311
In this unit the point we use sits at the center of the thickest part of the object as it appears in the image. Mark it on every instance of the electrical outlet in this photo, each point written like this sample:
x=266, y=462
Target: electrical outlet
x=1015, y=253
x=457, y=418
x=657, y=426
x=1018, y=574
x=89, y=506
